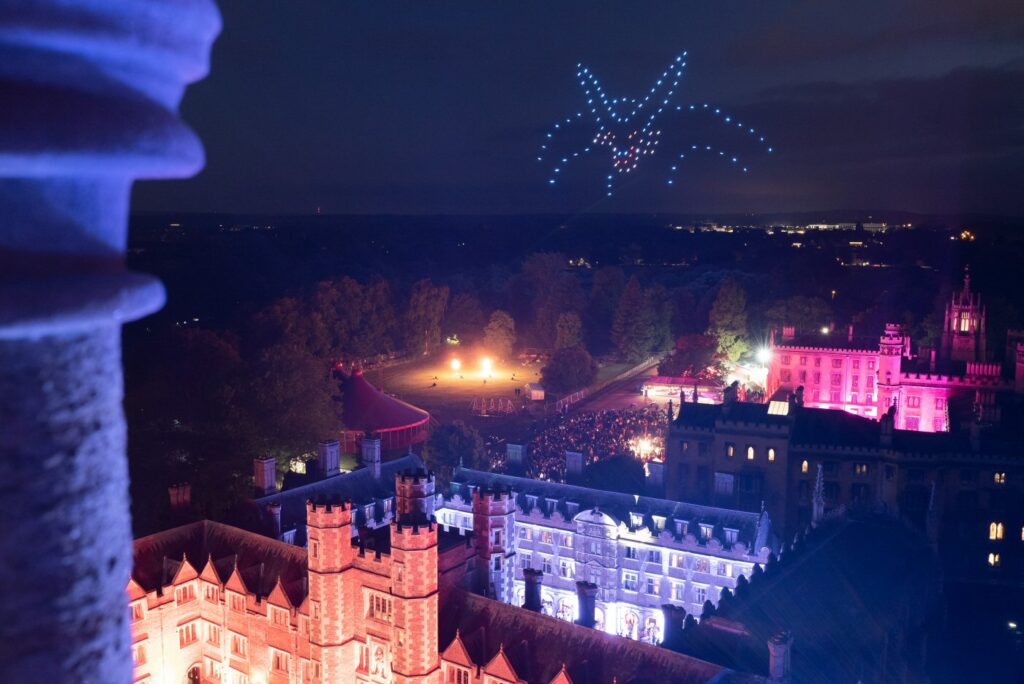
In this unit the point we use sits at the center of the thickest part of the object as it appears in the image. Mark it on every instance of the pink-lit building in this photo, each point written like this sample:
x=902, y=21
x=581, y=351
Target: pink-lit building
x=867, y=376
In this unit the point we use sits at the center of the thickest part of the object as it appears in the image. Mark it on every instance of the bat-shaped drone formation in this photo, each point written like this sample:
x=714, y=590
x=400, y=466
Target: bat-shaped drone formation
x=632, y=129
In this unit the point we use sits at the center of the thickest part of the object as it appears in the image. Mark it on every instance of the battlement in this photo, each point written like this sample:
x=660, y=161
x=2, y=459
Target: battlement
x=414, y=533
x=494, y=494
x=325, y=513
x=415, y=476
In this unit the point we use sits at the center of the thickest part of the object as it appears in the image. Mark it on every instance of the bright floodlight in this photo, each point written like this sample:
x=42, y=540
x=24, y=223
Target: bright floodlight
x=763, y=355
x=456, y=364
x=824, y=330
x=486, y=365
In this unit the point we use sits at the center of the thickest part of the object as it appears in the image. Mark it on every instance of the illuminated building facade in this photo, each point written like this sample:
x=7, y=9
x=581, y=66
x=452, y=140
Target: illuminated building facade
x=953, y=486
x=865, y=377
x=214, y=603
x=640, y=553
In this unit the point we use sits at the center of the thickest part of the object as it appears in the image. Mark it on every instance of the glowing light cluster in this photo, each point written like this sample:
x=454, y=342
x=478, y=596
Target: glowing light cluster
x=629, y=129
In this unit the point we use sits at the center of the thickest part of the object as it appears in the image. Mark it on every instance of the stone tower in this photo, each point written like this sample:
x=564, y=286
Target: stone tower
x=414, y=494
x=963, y=331
x=332, y=617
x=891, y=348
x=414, y=641
x=494, y=534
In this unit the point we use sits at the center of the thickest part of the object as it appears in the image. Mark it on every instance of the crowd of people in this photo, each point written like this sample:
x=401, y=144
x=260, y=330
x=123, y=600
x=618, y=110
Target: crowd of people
x=596, y=435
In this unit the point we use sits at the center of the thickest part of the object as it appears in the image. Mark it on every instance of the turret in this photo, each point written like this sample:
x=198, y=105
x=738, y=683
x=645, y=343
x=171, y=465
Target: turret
x=494, y=536
x=414, y=588
x=330, y=555
x=414, y=494
x=890, y=353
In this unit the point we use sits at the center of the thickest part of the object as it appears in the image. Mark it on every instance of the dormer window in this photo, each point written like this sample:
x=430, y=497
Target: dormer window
x=185, y=594
x=682, y=527
x=730, y=536
x=705, y=532
x=636, y=519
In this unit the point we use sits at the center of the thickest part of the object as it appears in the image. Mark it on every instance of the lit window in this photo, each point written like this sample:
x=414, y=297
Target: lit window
x=750, y=453
x=701, y=565
x=546, y=537
x=804, y=467
x=730, y=449
x=379, y=607
x=566, y=569
x=860, y=468
x=280, y=661
x=705, y=532
x=187, y=635
x=185, y=594
x=239, y=645
x=999, y=478
x=279, y=617
x=993, y=560
x=771, y=455
x=995, y=531
x=725, y=569
x=526, y=533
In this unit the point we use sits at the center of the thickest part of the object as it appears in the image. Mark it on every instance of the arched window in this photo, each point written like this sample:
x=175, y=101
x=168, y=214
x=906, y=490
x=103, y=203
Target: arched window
x=771, y=455
x=804, y=467
x=993, y=560
x=750, y=453
x=995, y=531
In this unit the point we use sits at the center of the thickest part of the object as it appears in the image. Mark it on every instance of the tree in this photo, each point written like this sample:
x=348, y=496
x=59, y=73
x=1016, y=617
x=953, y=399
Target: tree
x=569, y=369
x=728, y=320
x=465, y=318
x=500, y=334
x=568, y=330
x=695, y=356
x=633, y=327
x=804, y=313
x=605, y=290
x=450, y=446
x=423, y=316
x=293, y=401
x=660, y=303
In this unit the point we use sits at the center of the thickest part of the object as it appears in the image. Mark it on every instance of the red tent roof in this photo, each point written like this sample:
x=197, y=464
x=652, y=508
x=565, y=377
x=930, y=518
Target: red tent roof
x=366, y=408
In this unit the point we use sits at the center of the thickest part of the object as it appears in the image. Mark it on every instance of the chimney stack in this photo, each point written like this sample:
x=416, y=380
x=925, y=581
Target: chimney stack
x=533, y=578
x=586, y=598
x=371, y=455
x=328, y=458
x=779, y=649
x=274, y=509
x=264, y=471
x=573, y=463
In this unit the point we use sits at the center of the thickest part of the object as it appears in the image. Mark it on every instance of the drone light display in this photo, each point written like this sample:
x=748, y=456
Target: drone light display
x=631, y=129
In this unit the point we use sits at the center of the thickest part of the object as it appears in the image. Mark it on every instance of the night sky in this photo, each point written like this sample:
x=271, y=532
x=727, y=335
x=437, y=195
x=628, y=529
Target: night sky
x=440, y=107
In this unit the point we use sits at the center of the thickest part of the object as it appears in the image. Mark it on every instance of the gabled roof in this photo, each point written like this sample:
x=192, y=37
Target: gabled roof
x=500, y=666
x=538, y=647
x=359, y=486
x=255, y=561
x=456, y=652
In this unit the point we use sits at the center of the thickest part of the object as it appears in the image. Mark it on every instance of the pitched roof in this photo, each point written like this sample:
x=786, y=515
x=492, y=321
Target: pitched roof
x=359, y=486
x=706, y=415
x=259, y=561
x=537, y=646
x=616, y=504
x=840, y=596
x=368, y=409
